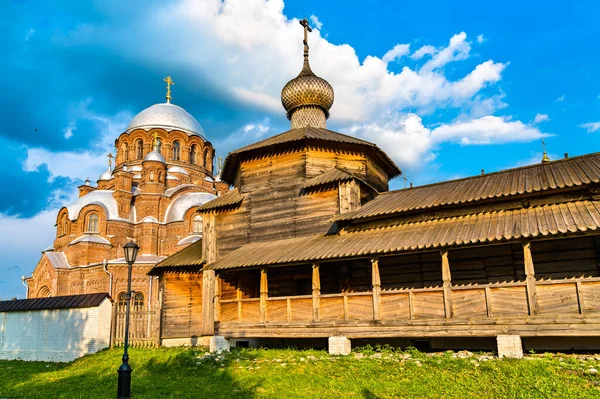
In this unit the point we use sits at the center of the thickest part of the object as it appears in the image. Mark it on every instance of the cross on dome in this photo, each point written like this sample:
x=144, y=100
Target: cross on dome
x=169, y=83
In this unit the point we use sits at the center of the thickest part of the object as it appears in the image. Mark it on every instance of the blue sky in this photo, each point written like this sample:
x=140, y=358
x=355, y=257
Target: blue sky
x=446, y=88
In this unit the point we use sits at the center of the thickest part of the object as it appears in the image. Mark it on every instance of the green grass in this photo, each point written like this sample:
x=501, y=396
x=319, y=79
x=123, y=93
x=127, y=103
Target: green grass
x=261, y=373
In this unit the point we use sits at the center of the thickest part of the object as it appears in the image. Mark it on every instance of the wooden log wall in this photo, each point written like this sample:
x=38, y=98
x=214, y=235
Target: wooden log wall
x=347, y=275
x=491, y=264
x=574, y=257
x=182, y=305
x=411, y=271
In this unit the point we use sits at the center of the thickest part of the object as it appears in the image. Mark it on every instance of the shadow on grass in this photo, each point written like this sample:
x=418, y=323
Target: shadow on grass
x=162, y=374
x=367, y=394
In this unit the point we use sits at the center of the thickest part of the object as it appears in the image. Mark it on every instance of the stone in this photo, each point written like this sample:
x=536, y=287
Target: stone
x=339, y=345
x=509, y=346
x=218, y=344
x=591, y=371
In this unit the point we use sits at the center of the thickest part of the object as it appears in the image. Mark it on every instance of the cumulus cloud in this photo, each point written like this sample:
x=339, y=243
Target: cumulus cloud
x=480, y=39
x=423, y=51
x=591, y=127
x=399, y=51
x=539, y=118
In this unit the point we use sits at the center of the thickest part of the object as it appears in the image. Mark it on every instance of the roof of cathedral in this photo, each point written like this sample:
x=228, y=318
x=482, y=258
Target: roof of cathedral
x=180, y=205
x=103, y=198
x=305, y=133
x=58, y=260
x=560, y=174
x=177, y=169
x=166, y=116
x=90, y=238
x=190, y=239
x=139, y=260
x=154, y=156
x=107, y=175
x=546, y=220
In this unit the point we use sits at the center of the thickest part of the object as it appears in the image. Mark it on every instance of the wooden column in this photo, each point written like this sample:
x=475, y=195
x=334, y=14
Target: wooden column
x=218, y=293
x=349, y=196
x=376, y=281
x=447, y=280
x=532, y=301
x=209, y=237
x=316, y=290
x=264, y=292
x=208, y=304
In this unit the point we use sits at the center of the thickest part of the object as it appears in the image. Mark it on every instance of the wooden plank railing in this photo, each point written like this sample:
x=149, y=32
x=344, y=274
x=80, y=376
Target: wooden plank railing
x=555, y=297
x=143, y=328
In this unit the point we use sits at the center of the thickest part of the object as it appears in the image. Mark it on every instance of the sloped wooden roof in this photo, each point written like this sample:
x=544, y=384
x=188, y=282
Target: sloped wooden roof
x=226, y=200
x=333, y=175
x=565, y=173
x=188, y=257
x=310, y=133
x=538, y=221
x=55, y=302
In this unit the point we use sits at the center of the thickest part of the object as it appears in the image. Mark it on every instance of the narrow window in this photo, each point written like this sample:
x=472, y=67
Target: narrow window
x=125, y=148
x=207, y=160
x=151, y=175
x=139, y=149
x=193, y=152
x=92, y=225
x=138, y=302
x=197, y=224
x=64, y=225
x=176, y=150
x=122, y=302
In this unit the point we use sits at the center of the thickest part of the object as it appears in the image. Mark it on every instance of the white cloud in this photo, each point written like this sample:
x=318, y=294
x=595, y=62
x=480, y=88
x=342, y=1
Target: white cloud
x=591, y=127
x=539, y=118
x=68, y=131
x=399, y=51
x=75, y=165
x=315, y=20
x=480, y=39
x=423, y=51
x=29, y=34
x=560, y=99
x=458, y=49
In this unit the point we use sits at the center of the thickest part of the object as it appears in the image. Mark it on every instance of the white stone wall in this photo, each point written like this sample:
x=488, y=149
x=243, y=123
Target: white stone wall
x=59, y=335
x=509, y=346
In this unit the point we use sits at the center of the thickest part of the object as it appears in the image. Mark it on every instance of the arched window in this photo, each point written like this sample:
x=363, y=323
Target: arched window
x=92, y=224
x=121, y=302
x=44, y=292
x=159, y=145
x=139, y=149
x=151, y=176
x=63, y=227
x=160, y=179
x=125, y=149
x=197, y=224
x=193, y=152
x=176, y=151
x=138, y=302
x=207, y=160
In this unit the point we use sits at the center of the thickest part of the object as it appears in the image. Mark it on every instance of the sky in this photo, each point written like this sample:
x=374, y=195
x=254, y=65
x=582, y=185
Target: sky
x=445, y=88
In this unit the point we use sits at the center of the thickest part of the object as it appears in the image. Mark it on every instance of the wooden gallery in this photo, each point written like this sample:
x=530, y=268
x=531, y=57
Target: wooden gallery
x=310, y=243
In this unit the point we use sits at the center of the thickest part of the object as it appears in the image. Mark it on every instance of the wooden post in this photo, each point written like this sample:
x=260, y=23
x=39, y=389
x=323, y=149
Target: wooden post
x=209, y=237
x=218, y=293
x=345, y=307
x=289, y=310
x=488, y=301
x=376, y=281
x=264, y=292
x=447, y=280
x=532, y=300
x=208, y=304
x=238, y=296
x=316, y=290
x=411, y=312
x=580, y=301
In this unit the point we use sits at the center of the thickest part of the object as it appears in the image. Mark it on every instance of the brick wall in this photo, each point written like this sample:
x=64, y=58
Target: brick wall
x=59, y=335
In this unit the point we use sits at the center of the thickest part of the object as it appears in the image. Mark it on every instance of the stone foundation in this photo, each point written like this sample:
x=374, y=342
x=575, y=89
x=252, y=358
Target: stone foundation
x=218, y=344
x=509, y=346
x=339, y=346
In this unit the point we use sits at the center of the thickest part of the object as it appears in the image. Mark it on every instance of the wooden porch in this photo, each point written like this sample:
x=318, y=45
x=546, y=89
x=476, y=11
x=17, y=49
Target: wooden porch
x=564, y=299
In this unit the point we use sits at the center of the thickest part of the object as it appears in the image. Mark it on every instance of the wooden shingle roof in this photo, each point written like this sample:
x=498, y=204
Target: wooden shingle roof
x=189, y=257
x=565, y=173
x=306, y=133
x=226, y=200
x=55, y=302
x=503, y=225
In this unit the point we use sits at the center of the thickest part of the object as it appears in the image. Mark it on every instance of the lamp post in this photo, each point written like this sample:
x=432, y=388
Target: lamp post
x=124, y=383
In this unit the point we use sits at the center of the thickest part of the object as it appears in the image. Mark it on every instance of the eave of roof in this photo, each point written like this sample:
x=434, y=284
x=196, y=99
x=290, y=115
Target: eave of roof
x=188, y=257
x=55, y=302
x=229, y=199
x=485, y=227
x=561, y=174
x=305, y=133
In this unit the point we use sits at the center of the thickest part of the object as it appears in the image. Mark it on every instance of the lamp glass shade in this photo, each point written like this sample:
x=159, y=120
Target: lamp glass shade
x=131, y=251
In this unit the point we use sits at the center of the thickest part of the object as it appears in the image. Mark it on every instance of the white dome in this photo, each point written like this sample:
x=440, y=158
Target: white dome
x=106, y=175
x=154, y=156
x=166, y=116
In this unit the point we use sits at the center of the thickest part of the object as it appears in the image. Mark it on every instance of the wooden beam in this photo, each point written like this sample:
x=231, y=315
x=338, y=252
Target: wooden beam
x=532, y=300
x=316, y=290
x=580, y=301
x=209, y=237
x=238, y=296
x=447, y=281
x=218, y=294
x=488, y=301
x=289, y=310
x=376, y=282
x=264, y=292
x=208, y=304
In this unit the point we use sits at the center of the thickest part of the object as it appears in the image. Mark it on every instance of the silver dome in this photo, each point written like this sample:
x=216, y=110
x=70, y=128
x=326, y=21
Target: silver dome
x=154, y=156
x=106, y=175
x=166, y=116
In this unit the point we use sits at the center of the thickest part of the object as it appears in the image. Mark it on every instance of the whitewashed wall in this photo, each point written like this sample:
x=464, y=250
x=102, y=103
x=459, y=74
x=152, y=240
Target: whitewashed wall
x=59, y=335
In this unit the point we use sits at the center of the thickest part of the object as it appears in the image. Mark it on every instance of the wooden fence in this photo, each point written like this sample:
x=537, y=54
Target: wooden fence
x=143, y=328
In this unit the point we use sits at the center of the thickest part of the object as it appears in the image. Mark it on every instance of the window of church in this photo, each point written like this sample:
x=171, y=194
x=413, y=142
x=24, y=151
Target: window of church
x=151, y=176
x=159, y=145
x=176, y=150
x=197, y=224
x=207, y=160
x=121, y=302
x=139, y=149
x=44, y=292
x=125, y=149
x=138, y=302
x=92, y=223
x=193, y=152
x=63, y=227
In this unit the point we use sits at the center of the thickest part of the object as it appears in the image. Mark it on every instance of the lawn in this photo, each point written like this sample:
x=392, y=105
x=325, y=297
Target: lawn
x=262, y=373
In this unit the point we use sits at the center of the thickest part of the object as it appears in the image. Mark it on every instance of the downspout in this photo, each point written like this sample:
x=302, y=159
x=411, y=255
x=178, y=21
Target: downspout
x=110, y=276
x=26, y=287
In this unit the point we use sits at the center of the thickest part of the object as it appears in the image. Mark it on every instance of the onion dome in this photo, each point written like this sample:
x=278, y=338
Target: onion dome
x=307, y=98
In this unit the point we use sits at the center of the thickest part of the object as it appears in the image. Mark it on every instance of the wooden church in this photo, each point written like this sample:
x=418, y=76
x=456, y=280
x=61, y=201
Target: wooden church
x=310, y=244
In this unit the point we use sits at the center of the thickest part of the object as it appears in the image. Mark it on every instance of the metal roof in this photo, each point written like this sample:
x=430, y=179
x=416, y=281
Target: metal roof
x=58, y=260
x=565, y=173
x=55, y=302
x=103, y=198
x=177, y=209
x=166, y=116
x=90, y=238
x=484, y=227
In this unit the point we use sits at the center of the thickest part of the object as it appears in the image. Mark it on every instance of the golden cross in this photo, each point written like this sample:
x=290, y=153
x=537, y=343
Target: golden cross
x=169, y=83
x=307, y=29
x=110, y=158
x=545, y=158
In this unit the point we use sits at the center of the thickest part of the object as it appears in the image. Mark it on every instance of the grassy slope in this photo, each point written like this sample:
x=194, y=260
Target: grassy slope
x=182, y=373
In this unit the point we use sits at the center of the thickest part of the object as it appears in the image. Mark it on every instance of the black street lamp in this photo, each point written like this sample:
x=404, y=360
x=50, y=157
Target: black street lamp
x=124, y=384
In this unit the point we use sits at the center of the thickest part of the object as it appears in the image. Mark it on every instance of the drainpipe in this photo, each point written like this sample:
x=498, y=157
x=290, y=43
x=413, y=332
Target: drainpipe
x=26, y=287
x=110, y=277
